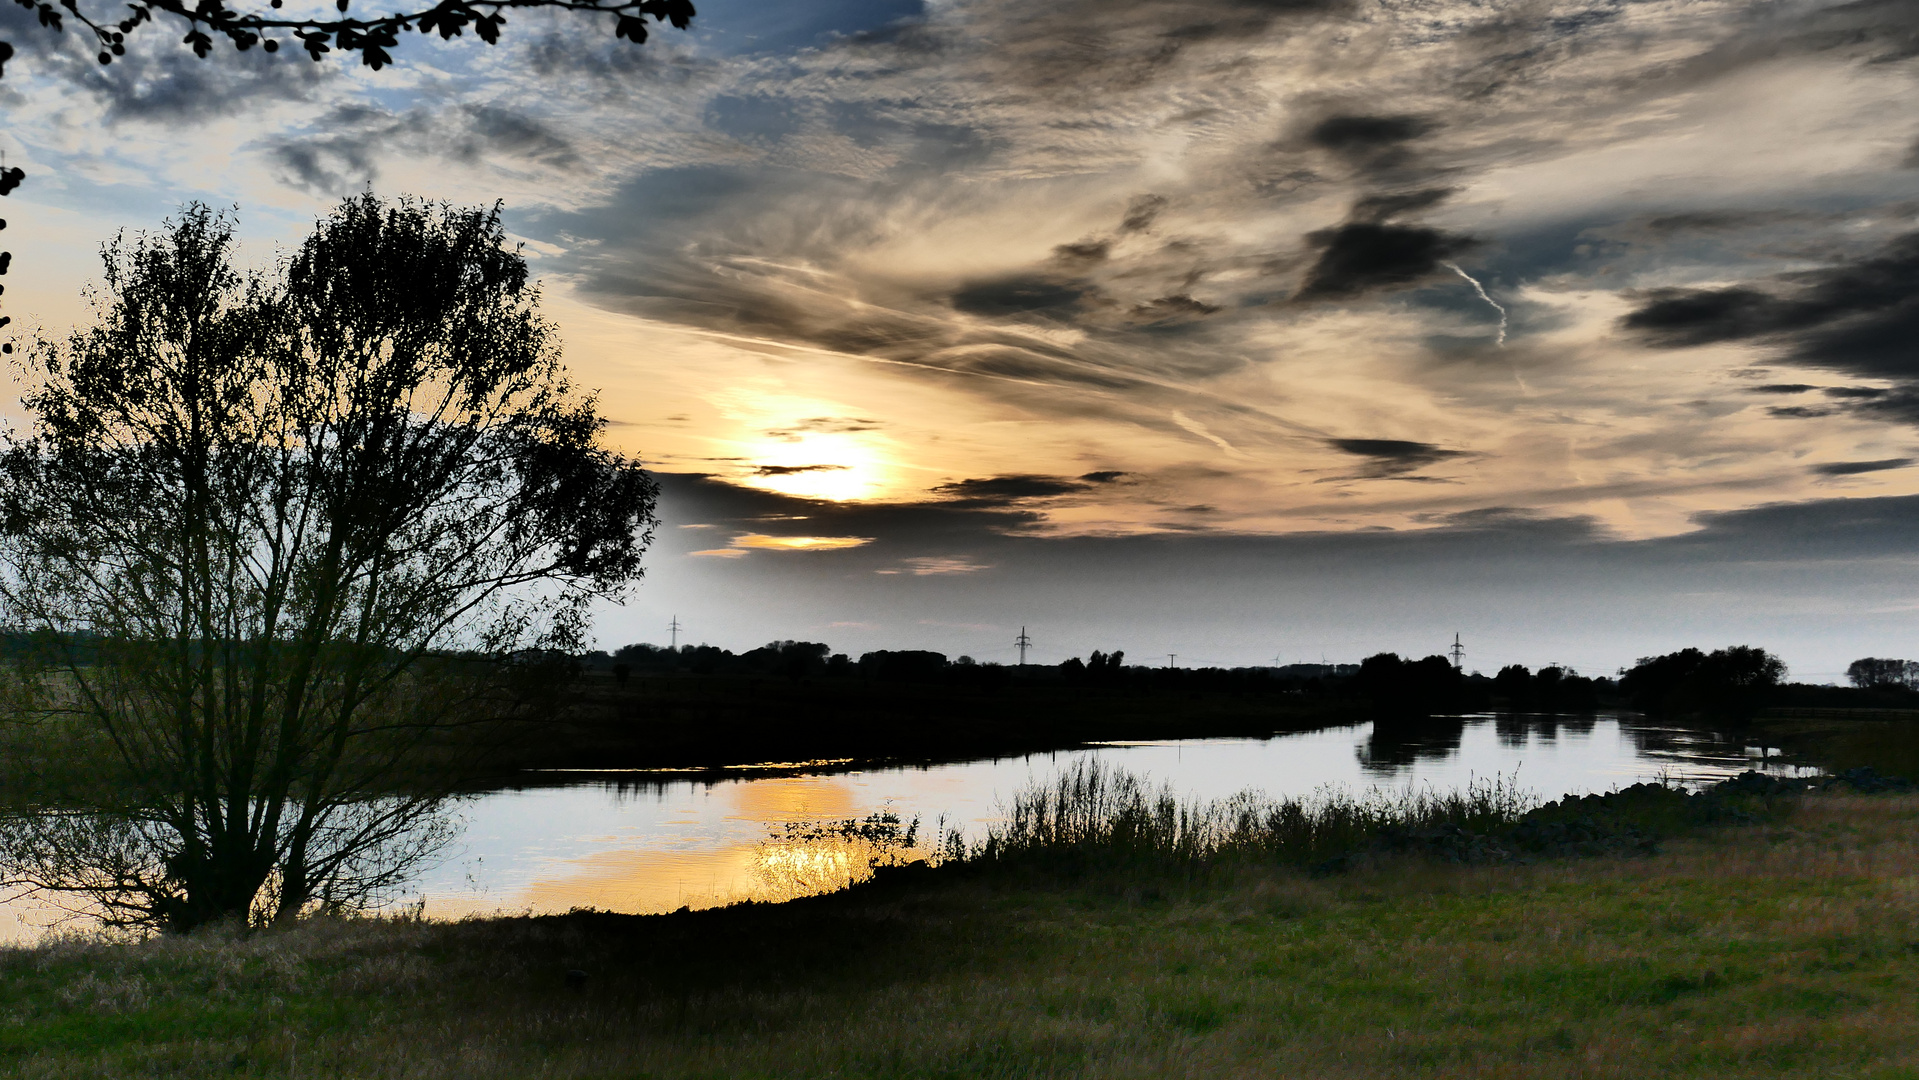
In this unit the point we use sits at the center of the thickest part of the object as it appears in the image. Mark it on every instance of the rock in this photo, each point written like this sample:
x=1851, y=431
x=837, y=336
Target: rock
x=576, y=979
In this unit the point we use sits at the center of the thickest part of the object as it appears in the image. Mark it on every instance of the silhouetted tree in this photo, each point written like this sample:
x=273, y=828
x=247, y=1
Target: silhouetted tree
x=903, y=665
x=282, y=531
x=1728, y=684
x=1874, y=673
x=1398, y=687
x=1514, y=683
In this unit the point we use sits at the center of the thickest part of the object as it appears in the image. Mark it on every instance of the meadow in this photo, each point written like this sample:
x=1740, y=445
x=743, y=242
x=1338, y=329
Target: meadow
x=1092, y=942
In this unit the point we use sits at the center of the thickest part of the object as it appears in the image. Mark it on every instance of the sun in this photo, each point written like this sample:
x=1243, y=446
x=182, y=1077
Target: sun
x=835, y=466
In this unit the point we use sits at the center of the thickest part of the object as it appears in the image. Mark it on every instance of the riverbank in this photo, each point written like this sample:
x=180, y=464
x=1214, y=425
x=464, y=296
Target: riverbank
x=1777, y=949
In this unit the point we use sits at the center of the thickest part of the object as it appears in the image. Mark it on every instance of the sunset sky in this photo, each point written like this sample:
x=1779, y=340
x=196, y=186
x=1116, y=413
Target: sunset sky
x=1234, y=330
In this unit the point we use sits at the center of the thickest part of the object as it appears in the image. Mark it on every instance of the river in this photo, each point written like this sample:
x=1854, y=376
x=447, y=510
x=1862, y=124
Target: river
x=651, y=843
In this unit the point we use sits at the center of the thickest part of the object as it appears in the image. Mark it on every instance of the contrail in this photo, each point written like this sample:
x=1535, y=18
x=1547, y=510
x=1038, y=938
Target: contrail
x=1481, y=290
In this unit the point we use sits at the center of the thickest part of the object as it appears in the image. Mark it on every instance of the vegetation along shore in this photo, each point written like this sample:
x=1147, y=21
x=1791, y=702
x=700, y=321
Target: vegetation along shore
x=1760, y=931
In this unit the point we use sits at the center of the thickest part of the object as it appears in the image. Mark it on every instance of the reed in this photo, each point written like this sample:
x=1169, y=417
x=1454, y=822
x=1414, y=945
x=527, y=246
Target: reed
x=1096, y=812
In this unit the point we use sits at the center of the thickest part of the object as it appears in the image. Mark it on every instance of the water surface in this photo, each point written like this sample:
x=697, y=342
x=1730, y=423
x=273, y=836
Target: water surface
x=655, y=844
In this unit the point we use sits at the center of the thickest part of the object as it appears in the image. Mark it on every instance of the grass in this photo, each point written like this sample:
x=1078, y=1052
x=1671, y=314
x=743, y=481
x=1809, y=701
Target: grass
x=1092, y=813
x=1780, y=949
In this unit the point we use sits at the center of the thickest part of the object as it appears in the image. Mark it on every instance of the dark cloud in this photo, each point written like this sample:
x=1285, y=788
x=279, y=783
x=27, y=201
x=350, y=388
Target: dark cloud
x=1717, y=220
x=794, y=470
x=1375, y=145
x=356, y=137
x=1366, y=134
x=1378, y=208
x=329, y=167
x=1007, y=490
x=1393, y=457
x=1141, y=213
x=1860, y=317
x=1167, y=309
x=490, y=130
x=1105, y=476
x=1799, y=412
x=1781, y=388
x=1360, y=257
x=1516, y=519
x=1818, y=528
x=1853, y=468
x=830, y=424
x=1084, y=253
x=1020, y=296
x=1856, y=393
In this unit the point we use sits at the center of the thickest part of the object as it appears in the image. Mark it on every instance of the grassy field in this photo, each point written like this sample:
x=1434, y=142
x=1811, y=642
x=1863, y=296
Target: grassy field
x=1785, y=949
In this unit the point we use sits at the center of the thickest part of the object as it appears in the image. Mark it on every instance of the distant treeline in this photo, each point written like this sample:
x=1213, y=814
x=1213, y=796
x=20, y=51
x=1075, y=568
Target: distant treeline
x=1385, y=681
x=1724, y=684
x=811, y=660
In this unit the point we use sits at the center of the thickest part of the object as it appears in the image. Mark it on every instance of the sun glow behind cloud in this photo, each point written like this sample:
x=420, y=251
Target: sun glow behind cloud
x=746, y=542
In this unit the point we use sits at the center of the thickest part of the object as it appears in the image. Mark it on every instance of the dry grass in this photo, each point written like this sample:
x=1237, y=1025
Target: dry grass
x=1783, y=950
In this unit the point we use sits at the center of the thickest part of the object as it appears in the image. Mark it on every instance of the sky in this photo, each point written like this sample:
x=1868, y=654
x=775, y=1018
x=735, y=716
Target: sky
x=1220, y=331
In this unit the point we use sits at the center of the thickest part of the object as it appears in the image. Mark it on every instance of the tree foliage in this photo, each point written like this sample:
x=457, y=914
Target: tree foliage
x=1730, y=684
x=277, y=533
x=373, y=37
x=1874, y=672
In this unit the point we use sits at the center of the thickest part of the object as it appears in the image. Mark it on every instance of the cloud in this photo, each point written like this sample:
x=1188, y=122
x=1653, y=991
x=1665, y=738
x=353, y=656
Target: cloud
x=1084, y=253
x=1378, y=208
x=936, y=566
x=1859, y=316
x=1141, y=212
x=1854, y=468
x=1393, y=458
x=1369, y=144
x=794, y=470
x=1006, y=490
x=1368, y=253
x=1365, y=134
x=1020, y=296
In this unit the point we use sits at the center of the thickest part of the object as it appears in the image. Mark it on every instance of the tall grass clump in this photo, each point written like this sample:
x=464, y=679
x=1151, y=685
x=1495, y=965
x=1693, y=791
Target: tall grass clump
x=1095, y=813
